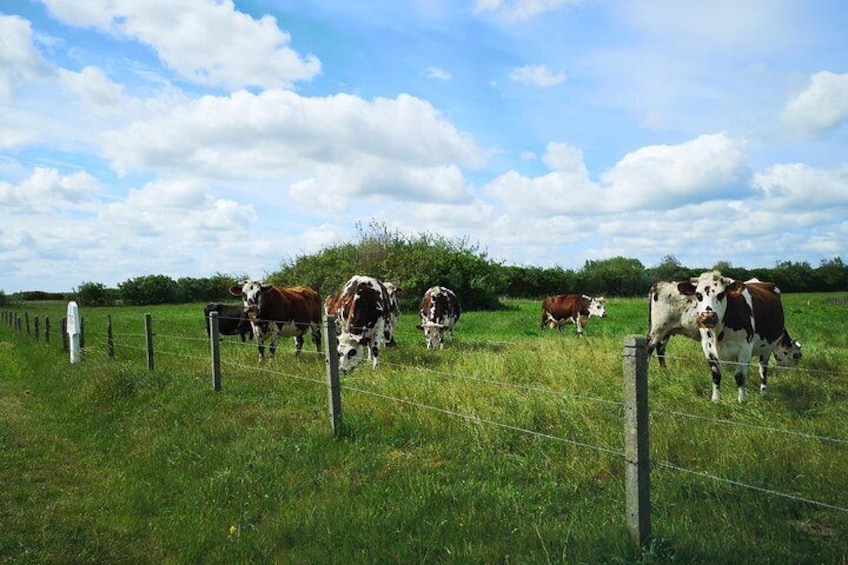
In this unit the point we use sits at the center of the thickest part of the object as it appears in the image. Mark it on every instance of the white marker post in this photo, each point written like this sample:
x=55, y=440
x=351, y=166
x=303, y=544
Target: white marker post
x=74, y=331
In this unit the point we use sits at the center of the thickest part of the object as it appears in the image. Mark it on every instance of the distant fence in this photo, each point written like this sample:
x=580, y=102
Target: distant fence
x=636, y=454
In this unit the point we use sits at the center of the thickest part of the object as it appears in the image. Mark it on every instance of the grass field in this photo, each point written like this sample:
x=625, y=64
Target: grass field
x=505, y=447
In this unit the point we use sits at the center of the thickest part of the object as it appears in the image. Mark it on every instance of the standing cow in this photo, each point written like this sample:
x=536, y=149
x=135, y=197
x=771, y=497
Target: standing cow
x=439, y=311
x=394, y=313
x=232, y=320
x=274, y=311
x=363, y=313
x=563, y=309
x=737, y=321
x=673, y=311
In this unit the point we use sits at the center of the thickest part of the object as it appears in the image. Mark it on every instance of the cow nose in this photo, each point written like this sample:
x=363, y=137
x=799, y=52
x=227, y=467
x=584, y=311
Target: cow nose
x=708, y=319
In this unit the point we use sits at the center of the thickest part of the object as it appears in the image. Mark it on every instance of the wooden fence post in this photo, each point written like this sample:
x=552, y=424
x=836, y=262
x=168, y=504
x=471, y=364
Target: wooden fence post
x=215, y=347
x=26, y=317
x=334, y=392
x=36, y=327
x=47, y=329
x=110, y=340
x=637, y=474
x=148, y=334
x=63, y=327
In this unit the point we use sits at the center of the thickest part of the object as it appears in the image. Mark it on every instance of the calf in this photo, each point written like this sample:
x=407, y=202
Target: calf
x=274, y=311
x=363, y=313
x=232, y=320
x=440, y=310
x=673, y=311
x=562, y=309
x=737, y=321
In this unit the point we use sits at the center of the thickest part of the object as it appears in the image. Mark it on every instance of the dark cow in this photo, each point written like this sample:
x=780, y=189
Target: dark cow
x=737, y=321
x=440, y=310
x=232, y=320
x=674, y=312
x=394, y=313
x=274, y=311
x=562, y=309
x=363, y=313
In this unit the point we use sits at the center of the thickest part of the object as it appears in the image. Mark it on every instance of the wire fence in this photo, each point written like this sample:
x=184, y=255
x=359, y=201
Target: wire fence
x=192, y=348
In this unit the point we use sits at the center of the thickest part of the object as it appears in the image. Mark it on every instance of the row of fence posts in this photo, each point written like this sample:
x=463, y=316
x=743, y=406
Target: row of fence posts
x=635, y=370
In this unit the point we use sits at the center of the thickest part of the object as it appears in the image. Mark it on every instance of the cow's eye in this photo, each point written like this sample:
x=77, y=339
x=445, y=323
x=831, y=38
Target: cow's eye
x=351, y=354
x=720, y=296
x=699, y=296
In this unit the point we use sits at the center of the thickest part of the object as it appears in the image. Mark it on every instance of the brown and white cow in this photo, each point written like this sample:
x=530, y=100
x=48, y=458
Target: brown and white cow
x=674, y=312
x=737, y=322
x=274, y=311
x=562, y=309
x=439, y=311
x=363, y=313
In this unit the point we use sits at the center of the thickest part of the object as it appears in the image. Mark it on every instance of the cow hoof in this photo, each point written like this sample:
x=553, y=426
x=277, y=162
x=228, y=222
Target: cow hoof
x=716, y=396
x=764, y=390
x=741, y=396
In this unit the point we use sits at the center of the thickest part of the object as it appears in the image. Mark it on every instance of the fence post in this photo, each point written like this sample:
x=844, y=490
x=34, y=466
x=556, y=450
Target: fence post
x=63, y=328
x=215, y=347
x=110, y=340
x=334, y=392
x=637, y=474
x=148, y=334
x=26, y=317
x=35, y=324
x=46, y=329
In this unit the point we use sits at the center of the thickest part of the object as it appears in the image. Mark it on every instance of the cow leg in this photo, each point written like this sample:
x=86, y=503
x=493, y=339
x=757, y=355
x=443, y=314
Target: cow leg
x=740, y=383
x=661, y=352
x=764, y=374
x=715, y=370
x=375, y=355
x=298, y=343
x=579, y=325
x=275, y=336
x=260, y=340
x=316, y=337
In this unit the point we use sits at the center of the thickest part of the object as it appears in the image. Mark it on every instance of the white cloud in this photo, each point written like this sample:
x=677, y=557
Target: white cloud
x=99, y=94
x=820, y=106
x=19, y=60
x=205, y=41
x=437, y=73
x=519, y=10
x=538, y=75
x=798, y=187
x=49, y=190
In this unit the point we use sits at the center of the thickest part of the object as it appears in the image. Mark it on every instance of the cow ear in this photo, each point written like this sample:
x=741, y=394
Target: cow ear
x=235, y=290
x=266, y=287
x=734, y=288
x=686, y=288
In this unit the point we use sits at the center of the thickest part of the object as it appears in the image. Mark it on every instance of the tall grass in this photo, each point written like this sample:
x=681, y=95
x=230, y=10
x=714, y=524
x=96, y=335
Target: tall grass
x=504, y=447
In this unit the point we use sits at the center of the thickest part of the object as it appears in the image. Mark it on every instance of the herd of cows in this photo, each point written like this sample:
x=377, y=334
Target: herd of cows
x=734, y=321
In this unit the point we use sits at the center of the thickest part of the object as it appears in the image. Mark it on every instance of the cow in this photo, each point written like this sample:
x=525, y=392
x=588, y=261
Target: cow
x=394, y=313
x=672, y=312
x=232, y=320
x=737, y=321
x=439, y=312
x=274, y=311
x=562, y=309
x=363, y=313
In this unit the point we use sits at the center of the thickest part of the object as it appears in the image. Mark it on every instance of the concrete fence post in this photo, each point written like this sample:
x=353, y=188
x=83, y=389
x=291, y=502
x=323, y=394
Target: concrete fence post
x=636, y=453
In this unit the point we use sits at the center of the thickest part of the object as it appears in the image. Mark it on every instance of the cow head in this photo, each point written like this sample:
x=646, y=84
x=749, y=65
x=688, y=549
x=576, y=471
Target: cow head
x=788, y=351
x=251, y=293
x=434, y=333
x=711, y=292
x=352, y=350
x=598, y=307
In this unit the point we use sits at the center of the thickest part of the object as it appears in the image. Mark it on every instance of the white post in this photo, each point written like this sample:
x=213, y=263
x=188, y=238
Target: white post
x=74, y=332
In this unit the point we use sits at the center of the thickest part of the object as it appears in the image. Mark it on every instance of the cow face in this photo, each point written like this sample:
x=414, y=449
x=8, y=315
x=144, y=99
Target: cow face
x=788, y=351
x=711, y=292
x=598, y=307
x=352, y=351
x=434, y=333
x=251, y=294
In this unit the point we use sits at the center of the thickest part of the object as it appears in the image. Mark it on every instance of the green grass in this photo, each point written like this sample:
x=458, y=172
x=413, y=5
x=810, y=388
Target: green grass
x=105, y=461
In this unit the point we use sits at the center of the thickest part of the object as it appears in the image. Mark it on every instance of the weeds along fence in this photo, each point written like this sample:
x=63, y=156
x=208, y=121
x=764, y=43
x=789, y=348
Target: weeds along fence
x=231, y=358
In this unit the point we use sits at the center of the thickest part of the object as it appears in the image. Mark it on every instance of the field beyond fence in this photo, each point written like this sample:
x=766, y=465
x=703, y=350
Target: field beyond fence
x=506, y=446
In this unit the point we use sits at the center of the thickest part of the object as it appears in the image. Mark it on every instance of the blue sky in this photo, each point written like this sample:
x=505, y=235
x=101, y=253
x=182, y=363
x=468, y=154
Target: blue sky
x=194, y=137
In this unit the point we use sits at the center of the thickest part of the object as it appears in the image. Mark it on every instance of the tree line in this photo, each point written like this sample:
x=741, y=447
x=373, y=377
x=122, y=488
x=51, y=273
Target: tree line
x=416, y=262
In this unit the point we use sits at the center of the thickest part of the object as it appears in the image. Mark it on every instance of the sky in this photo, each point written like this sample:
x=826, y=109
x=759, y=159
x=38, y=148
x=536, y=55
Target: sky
x=195, y=137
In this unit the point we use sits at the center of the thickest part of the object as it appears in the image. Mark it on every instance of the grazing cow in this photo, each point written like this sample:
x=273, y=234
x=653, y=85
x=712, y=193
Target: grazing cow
x=394, y=313
x=274, y=311
x=737, y=321
x=562, y=309
x=673, y=311
x=232, y=320
x=440, y=310
x=363, y=313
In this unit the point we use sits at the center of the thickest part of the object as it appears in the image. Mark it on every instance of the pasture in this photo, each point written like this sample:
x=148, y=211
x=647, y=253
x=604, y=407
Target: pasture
x=505, y=447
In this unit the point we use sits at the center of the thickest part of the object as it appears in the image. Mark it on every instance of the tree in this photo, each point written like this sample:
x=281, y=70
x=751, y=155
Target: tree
x=670, y=269
x=150, y=289
x=618, y=276
x=94, y=294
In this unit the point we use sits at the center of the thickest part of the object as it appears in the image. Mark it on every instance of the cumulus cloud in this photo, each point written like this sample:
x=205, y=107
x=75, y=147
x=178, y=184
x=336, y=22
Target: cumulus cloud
x=798, y=187
x=205, y=41
x=519, y=10
x=537, y=75
x=325, y=148
x=99, y=94
x=821, y=106
x=19, y=60
x=48, y=189
x=710, y=167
